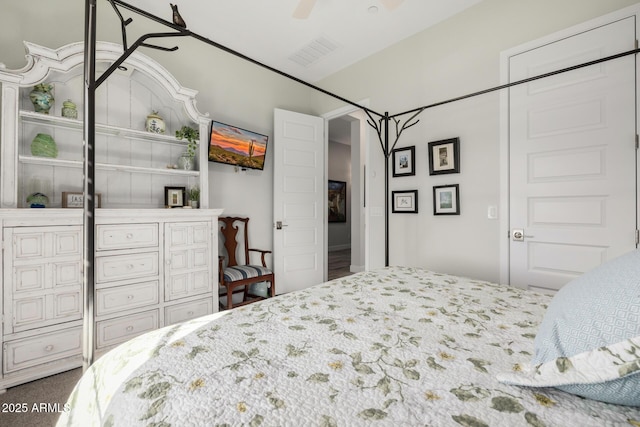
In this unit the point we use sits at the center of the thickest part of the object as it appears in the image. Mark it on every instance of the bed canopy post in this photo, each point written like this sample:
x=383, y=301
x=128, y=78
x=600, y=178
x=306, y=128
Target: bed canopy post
x=89, y=183
x=386, y=188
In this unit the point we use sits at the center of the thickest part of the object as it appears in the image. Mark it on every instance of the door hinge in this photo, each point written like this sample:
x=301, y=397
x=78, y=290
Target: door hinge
x=637, y=141
x=637, y=237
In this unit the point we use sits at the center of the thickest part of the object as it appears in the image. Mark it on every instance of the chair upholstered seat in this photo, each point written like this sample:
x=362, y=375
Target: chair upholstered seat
x=241, y=272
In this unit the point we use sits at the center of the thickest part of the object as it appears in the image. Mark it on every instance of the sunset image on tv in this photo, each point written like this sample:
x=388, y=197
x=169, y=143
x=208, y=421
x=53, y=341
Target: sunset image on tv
x=235, y=146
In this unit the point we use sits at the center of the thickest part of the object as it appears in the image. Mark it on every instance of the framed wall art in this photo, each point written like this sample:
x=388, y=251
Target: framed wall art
x=174, y=197
x=404, y=161
x=444, y=156
x=404, y=201
x=73, y=199
x=337, y=193
x=446, y=200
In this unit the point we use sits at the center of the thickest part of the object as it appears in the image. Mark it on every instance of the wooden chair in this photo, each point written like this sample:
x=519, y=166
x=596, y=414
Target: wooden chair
x=233, y=275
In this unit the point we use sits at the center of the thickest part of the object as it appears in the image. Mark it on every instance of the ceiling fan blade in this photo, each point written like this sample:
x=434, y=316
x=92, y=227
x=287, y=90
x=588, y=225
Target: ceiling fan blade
x=391, y=4
x=304, y=9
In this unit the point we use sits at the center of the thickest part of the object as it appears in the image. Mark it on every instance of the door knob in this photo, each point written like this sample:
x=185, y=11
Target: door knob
x=518, y=235
x=279, y=225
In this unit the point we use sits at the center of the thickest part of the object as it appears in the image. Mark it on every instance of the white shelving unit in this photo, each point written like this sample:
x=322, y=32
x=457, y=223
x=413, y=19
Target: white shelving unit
x=154, y=266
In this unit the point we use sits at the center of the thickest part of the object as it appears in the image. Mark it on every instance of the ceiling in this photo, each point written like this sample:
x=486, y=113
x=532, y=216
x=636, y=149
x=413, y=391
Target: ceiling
x=336, y=34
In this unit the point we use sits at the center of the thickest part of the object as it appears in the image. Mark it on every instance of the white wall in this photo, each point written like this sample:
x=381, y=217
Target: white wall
x=456, y=57
x=358, y=222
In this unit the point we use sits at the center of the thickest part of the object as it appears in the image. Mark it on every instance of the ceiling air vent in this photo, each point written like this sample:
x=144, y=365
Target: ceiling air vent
x=315, y=50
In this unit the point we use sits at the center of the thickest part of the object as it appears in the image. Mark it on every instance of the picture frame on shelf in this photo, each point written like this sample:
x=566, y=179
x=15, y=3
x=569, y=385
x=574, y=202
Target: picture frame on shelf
x=174, y=197
x=404, y=161
x=446, y=199
x=75, y=199
x=404, y=201
x=444, y=156
x=337, y=201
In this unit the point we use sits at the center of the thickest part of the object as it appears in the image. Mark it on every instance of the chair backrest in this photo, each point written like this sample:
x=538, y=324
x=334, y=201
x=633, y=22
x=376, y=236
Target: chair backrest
x=230, y=231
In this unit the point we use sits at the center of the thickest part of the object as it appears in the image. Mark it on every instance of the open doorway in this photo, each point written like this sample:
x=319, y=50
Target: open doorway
x=345, y=220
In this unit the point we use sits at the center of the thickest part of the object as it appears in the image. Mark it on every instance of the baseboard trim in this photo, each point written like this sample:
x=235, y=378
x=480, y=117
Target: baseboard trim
x=356, y=268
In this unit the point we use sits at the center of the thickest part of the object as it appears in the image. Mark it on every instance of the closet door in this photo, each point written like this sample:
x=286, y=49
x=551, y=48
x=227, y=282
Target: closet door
x=572, y=157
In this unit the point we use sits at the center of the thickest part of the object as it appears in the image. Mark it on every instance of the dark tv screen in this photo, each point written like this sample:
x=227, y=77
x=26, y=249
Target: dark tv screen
x=235, y=146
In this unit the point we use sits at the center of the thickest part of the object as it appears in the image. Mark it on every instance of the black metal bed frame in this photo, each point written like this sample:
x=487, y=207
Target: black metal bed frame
x=380, y=125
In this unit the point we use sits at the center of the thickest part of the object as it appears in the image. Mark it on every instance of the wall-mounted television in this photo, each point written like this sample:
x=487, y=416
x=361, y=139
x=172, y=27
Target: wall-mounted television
x=235, y=146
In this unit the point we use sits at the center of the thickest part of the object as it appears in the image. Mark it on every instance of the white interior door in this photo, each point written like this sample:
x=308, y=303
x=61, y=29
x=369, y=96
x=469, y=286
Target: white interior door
x=572, y=157
x=299, y=190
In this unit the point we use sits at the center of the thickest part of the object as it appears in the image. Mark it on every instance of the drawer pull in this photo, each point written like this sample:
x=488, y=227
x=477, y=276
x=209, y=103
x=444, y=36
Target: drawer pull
x=129, y=297
x=129, y=236
x=129, y=328
x=130, y=266
x=48, y=348
x=190, y=313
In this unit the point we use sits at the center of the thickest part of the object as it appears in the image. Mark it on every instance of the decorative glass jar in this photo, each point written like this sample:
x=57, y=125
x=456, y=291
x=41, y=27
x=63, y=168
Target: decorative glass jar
x=186, y=162
x=155, y=123
x=43, y=145
x=42, y=97
x=69, y=110
x=37, y=200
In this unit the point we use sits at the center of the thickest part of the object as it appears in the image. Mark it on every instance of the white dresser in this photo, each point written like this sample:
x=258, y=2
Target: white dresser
x=153, y=267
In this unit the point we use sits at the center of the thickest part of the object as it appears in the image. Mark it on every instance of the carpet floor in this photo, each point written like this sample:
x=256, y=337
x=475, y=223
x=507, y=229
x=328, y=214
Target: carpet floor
x=42, y=400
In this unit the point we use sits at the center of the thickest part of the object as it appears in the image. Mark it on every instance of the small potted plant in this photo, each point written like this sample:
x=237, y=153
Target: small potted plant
x=192, y=136
x=194, y=196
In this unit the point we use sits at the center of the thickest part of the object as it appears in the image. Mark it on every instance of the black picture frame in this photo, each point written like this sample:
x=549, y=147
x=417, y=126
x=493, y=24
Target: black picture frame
x=404, y=201
x=175, y=197
x=444, y=156
x=404, y=161
x=337, y=201
x=446, y=199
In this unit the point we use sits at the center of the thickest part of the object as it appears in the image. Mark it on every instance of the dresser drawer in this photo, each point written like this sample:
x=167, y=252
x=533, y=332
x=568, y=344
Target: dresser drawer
x=121, y=298
x=114, y=331
x=130, y=266
x=126, y=236
x=28, y=352
x=188, y=310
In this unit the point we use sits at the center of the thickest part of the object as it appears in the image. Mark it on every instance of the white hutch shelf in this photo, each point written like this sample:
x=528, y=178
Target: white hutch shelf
x=133, y=165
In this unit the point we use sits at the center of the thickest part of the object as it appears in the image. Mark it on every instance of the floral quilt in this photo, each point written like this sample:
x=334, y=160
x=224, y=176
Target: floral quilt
x=395, y=347
x=601, y=365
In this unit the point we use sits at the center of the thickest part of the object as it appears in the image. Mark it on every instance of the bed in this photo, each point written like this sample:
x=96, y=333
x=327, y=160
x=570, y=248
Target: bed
x=395, y=347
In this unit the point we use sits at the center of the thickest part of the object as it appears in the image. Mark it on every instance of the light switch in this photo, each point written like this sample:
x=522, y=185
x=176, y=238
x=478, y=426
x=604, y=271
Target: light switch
x=492, y=212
